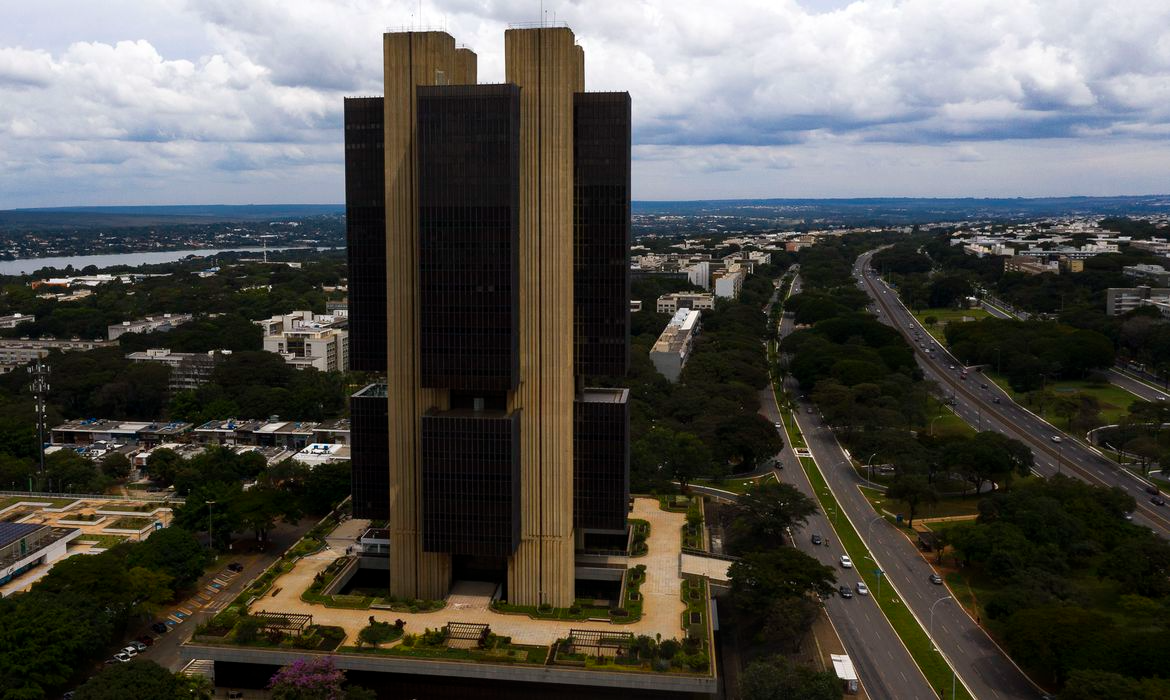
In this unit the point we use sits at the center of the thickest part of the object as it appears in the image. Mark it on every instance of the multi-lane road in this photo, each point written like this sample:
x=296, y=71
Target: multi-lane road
x=975, y=401
x=884, y=666
x=981, y=666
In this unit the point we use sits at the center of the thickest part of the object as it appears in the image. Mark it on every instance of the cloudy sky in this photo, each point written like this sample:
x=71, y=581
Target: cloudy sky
x=239, y=101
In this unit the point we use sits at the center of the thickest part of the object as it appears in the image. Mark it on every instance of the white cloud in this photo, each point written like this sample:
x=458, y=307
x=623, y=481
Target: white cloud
x=244, y=95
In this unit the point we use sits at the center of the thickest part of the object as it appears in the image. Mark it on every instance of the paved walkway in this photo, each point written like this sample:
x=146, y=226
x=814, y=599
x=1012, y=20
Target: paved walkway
x=662, y=607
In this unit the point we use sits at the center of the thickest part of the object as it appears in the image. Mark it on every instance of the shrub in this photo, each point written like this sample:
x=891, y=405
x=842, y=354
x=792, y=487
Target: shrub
x=248, y=629
x=619, y=612
x=698, y=661
x=669, y=648
x=661, y=665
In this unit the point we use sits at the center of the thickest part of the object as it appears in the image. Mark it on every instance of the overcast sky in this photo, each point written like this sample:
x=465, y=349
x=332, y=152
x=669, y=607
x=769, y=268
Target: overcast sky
x=240, y=101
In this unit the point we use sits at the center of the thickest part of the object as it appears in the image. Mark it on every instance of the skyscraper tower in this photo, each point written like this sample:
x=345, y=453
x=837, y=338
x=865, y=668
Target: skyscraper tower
x=490, y=285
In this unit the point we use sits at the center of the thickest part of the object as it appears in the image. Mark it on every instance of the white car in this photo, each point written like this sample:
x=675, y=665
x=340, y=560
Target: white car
x=122, y=657
x=138, y=646
x=130, y=651
x=1056, y=438
x=862, y=589
x=846, y=562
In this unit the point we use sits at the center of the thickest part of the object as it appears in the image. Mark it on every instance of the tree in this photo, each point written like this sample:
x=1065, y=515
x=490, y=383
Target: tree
x=778, y=678
x=930, y=321
x=760, y=578
x=174, y=551
x=115, y=465
x=763, y=514
x=1091, y=684
x=914, y=490
x=313, y=679
x=137, y=680
x=789, y=620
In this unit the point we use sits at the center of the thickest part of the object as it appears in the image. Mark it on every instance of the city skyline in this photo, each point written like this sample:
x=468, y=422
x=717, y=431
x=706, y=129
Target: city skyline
x=204, y=101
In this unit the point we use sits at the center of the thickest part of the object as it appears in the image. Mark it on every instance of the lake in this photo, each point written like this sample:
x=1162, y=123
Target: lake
x=26, y=266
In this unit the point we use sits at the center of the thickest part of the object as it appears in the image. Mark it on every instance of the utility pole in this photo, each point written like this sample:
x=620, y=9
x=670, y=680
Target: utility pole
x=40, y=391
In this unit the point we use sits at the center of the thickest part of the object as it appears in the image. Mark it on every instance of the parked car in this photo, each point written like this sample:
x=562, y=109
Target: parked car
x=846, y=562
x=862, y=589
x=160, y=628
x=816, y=539
x=122, y=657
x=845, y=592
x=130, y=651
x=138, y=647
x=147, y=640
x=936, y=579
x=238, y=567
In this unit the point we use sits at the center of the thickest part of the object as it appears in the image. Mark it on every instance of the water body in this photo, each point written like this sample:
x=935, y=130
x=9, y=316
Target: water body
x=26, y=266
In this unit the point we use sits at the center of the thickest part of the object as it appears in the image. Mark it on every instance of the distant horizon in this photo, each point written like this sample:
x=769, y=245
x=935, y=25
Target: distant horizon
x=867, y=198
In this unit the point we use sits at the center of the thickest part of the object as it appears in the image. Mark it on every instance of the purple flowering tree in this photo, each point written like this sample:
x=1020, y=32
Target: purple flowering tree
x=308, y=679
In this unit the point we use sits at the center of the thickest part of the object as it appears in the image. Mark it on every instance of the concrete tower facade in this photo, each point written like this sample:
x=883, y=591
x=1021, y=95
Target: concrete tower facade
x=494, y=230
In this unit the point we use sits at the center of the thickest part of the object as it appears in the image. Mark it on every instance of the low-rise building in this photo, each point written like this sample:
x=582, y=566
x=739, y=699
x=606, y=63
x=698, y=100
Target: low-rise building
x=24, y=546
x=317, y=453
x=1155, y=275
x=1029, y=265
x=305, y=339
x=150, y=324
x=1122, y=300
x=188, y=369
x=88, y=431
x=12, y=320
x=15, y=352
x=673, y=347
x=635, y=305
x=670, y=303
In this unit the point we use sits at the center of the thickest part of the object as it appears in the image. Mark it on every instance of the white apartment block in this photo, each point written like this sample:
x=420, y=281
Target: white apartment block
x=305, y=339
x=673, y=347
x=670, y=303
x=727, y=284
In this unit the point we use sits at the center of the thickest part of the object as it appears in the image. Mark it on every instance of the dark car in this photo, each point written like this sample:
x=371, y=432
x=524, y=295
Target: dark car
x=236, y=566
x=816, y=539
x=936, y=579
x=1153, y=490
x=1157, y=500
x=160, y=628
x=146, y=639
x=845, y=592
x=994, y=399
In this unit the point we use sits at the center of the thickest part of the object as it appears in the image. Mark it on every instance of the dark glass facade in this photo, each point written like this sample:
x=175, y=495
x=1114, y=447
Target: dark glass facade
x=601, y=459
x=365, y=228
x=369, y=443
x=601, y=233
x=471, y=483
x=469, y=198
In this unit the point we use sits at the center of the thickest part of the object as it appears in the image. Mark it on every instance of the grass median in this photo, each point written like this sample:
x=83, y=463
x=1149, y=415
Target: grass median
x=931, y=662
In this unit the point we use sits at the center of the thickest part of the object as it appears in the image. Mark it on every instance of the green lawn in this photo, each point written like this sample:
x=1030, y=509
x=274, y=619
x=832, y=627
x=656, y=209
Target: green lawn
x=948, y=507
x=948, y=424
x=1114, y=400
x=6, y=501
x=103, y=541
x=946, y=316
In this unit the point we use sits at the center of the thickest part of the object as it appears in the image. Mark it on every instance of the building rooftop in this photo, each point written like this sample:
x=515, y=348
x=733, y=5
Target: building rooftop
x=605, y=395
x=11, y=532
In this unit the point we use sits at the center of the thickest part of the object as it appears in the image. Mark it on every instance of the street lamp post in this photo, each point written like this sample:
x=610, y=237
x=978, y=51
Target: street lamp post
x=931, y=627
x=869, y=463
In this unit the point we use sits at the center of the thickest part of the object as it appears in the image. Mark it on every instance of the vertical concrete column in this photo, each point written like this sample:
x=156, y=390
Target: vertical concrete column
x=549, y=68
x=410, y=59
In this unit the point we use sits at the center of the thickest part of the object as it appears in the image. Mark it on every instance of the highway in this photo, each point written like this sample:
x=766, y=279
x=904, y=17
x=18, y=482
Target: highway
x=983, y=668
x=975, y=403
x=885, y=668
